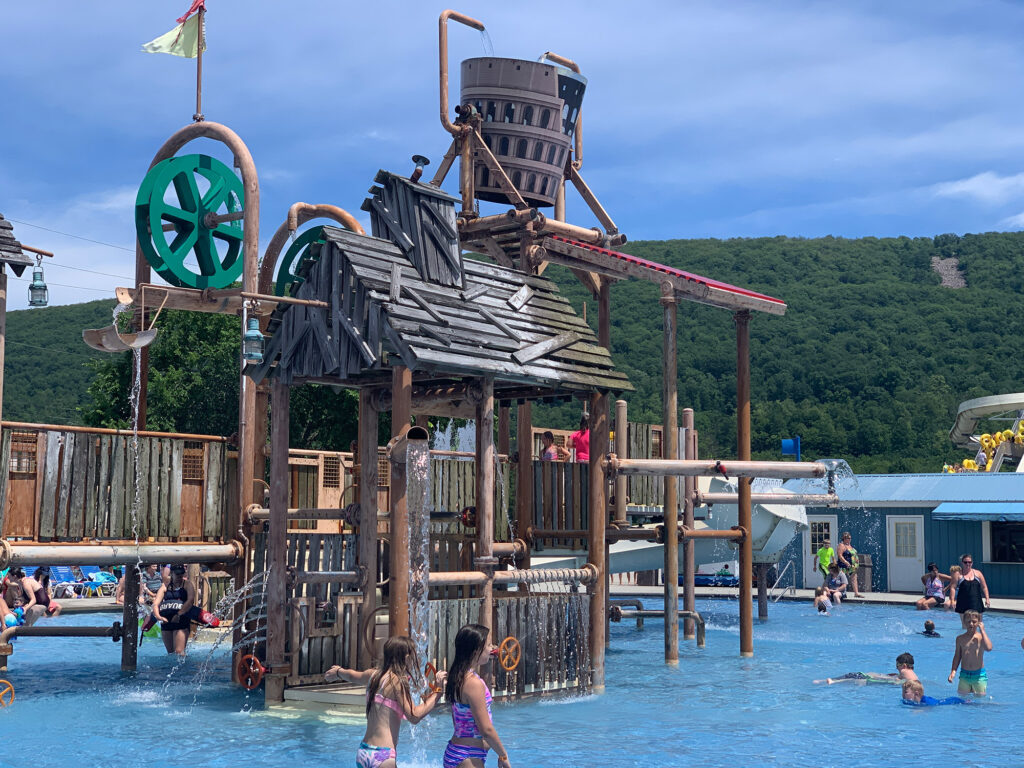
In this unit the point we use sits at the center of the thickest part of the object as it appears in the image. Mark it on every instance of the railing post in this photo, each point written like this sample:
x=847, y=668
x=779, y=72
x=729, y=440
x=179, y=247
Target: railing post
x=670, y=376
x=742, y=320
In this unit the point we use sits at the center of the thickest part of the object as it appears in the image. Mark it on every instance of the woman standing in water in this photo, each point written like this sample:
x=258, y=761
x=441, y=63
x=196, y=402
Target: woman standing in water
x=849, y=563
x=388, y=701
x=972, y=590
x=471, y=703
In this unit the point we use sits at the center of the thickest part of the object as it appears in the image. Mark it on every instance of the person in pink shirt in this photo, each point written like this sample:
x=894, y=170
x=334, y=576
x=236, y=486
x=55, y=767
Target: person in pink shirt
x=581, y=440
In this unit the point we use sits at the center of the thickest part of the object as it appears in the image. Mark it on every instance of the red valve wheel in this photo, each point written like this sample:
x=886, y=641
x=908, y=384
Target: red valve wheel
x=430, y=676
x=250, y=671
x=468, y=517
x=509, y=653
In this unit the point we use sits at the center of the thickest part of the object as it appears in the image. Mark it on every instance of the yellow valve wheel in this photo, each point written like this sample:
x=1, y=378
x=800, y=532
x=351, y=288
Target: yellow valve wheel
x=509, y=653
x=6, y=693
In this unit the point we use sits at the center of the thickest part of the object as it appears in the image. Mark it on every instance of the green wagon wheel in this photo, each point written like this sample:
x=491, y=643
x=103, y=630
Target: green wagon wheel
x=182, y=191
x=296, y=255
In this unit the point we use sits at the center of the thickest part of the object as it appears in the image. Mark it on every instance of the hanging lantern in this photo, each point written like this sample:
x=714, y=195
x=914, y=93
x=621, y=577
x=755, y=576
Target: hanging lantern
x=252, y=342
x=38, y=295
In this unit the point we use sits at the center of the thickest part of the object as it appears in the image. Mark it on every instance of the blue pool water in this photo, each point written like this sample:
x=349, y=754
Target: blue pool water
x=74, y=707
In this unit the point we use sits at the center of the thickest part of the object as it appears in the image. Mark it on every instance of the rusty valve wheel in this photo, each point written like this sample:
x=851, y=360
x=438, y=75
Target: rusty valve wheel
x=6, y=693
x=250, y=671
x=430, y=677
x=509, y=653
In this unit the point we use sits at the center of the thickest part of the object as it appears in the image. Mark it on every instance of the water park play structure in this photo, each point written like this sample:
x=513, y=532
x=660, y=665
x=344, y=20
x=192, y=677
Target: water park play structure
x=419, y=329
x=999, y=446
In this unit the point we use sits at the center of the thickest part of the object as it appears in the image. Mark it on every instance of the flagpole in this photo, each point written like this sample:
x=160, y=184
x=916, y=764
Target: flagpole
x=198, y=116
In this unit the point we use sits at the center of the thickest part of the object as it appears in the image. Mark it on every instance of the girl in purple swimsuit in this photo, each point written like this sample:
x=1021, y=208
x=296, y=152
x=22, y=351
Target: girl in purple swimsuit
x=471, y=702
x=388, y=701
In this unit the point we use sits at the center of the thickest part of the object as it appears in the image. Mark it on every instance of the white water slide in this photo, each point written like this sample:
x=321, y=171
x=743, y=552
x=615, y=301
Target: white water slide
x=774, y=526
x=1008, y=408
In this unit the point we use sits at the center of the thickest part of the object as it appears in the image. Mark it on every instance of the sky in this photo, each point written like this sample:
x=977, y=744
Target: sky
x=701, y=119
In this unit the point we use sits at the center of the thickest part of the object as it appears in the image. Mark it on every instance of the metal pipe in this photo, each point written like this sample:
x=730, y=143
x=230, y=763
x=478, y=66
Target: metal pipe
x=640, y=614
x=258, y=513
x=577, y=160
x=299, y=214
x=272, y=298
x=742, y=320
x=594, y=236
x=24, y=425
x=708, y=468
x=486, y=224
x=515, y=549
x=786, y=499
x=621, y=449
x=736, y=533
x=591, y=200
x=331, y=577
x=689, y=486
x=442, y=56
x=117, y=554
x=456, y=578
x=114, y=631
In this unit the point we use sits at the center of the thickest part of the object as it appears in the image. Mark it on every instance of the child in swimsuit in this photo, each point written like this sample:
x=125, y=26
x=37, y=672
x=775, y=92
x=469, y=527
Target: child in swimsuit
x=471, y=703
x=913, y=695
x=821, y=601
x=388, y=701
x=970, y=656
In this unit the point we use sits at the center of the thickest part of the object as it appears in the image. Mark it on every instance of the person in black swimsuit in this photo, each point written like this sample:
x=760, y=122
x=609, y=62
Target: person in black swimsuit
x=972, y=591
x=171, y=607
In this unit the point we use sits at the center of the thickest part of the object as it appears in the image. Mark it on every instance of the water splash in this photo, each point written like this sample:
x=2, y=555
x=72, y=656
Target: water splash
x=485, y=41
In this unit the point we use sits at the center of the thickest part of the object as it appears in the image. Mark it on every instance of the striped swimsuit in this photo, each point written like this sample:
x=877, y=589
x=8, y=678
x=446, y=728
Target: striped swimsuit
x=465, y=728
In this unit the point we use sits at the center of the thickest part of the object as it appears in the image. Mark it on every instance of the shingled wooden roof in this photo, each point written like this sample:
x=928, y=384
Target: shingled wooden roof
x=504, y=323
x=10, y=249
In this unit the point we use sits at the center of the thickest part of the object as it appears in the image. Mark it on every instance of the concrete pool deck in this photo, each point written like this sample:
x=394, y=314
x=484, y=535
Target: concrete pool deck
x=1000, y=604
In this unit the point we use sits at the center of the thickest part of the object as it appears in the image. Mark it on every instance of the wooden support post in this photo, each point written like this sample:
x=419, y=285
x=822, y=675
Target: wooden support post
x=277, y=542
x=398, y=562
x=3, y=331
x=130, y=619
x=742, y=320
x=689, y=486
x=524, y=479
x=621, y=449
x=368, y=480
x=670, y=376
x=485, y=560
x=762, y=590
x=599, y=500
x=466, y=177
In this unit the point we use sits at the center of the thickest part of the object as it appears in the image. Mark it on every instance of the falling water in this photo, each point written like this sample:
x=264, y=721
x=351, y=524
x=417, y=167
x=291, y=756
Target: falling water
x=485, y=41
x=417, y=491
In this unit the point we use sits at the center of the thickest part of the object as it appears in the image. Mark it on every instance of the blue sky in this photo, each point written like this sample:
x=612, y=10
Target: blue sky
x=702, y=119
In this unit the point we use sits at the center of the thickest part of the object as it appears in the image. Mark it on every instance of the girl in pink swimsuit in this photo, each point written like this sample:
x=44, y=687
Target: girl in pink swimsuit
x=388, y=701
x=471, y=703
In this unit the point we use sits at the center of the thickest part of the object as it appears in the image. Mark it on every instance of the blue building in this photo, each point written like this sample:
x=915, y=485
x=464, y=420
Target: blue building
x=907, y=521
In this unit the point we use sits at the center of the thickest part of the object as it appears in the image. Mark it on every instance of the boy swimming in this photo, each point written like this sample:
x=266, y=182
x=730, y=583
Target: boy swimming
x=929, y=630
x=913, y=695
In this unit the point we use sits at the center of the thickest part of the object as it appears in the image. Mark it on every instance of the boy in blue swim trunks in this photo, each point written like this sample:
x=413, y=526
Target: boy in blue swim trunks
x=913, y=695
x=970, y=656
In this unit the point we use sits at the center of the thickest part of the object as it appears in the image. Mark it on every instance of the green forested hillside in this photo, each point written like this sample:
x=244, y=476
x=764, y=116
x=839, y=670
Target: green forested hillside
x=47, y=373
x=869, y=362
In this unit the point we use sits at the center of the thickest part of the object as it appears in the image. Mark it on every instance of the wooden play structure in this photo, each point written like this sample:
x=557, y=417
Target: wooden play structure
x=440, y=312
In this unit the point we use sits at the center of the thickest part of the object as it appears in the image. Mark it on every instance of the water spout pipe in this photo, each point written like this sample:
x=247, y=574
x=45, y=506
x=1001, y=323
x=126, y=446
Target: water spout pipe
x=442, y=24
x=398, y=447
x=117, y=554
x=588, y=574
x=703, y=468
x=515, y=549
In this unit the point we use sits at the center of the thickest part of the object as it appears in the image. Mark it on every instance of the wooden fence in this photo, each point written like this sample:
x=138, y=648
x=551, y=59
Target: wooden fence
x=77, y=484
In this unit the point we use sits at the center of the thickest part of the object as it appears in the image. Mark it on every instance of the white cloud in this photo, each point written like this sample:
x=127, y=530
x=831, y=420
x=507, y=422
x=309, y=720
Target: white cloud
x=988, y=187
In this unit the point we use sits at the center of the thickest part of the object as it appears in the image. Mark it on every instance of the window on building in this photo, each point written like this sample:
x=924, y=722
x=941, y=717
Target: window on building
x=906, y=539
x=1007, y=542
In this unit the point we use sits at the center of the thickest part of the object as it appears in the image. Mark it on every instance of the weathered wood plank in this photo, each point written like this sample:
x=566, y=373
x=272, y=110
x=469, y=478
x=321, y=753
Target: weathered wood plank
x=93, y=521
x=118, y=459
x=175, y=475
x=543, y=348
x=5, y=473
x=64, y=497
x=521, y=298
x=78, y=485
x=215, y=455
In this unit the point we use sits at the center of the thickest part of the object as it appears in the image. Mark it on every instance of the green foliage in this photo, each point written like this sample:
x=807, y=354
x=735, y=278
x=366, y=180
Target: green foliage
x=868, y=364
x=46, y=371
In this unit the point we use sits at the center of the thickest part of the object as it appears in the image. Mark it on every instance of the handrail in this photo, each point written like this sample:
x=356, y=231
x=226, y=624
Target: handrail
x=778, y=579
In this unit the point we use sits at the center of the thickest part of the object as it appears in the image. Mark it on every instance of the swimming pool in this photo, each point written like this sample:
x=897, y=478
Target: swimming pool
x=73, y=705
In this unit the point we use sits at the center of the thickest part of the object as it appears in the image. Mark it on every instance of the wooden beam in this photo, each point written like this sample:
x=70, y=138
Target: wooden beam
x=521, y=298
x=541, y=348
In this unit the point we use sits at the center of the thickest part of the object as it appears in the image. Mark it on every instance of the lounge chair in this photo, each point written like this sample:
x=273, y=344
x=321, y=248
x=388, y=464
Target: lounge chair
x=63, y=582
x=98, y=583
